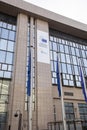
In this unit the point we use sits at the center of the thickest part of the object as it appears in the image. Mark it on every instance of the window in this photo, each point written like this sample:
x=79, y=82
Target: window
x=68, y=49
x=7, y=42
x=69, y=111
x=83, y=111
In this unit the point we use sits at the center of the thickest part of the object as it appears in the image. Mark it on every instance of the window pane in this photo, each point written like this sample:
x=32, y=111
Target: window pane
x=3, y=44
x=66, y=49
x=1, y=73
x=7, y=74
x=4, y=67
x=69, y=69
x=62, y=57
x=67, y=58
x=11, y=35
x=85, y=62
x=9, y=67
x=10, y=46
x=77, y=52
x=2, y=56
x=9, y=26
x=9, y=58
x=4, y=33
x=76, y=70
x=74, y=60
x=54, y=46
x=61, y=48
x=73, y=50
x=64, y=70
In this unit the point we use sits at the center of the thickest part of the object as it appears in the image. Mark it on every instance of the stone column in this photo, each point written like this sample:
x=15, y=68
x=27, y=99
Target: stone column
x=19, y=76
x=44, y=86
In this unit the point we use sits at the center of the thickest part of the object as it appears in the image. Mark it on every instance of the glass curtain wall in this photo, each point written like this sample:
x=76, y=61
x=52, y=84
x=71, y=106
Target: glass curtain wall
x=69, y=50
x=7, y=43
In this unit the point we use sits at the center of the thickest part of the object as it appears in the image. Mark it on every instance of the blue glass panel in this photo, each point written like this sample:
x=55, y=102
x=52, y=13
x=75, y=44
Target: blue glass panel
x=4, y=25
x=2, y=56
x=66, y=49
x=62, y=57
x=3, y=44
x=73, y=50
x=4, y=33
x=74, y=60
x=83, y=54
x=1, y=73
x=10, y=46
x=54, y=46
x=77, y=52
x=68, y=58
x=11, y=35
x=85, y=62
x=9, y=26
x=7, y=74
x=69, y=69
x=9, y=67
x=61, y=48
x=76, y=70
x=64, y=70
x=4, y=67
x=9, y=58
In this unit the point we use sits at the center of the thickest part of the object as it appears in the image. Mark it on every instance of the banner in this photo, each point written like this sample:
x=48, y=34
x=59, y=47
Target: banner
x=43, y=47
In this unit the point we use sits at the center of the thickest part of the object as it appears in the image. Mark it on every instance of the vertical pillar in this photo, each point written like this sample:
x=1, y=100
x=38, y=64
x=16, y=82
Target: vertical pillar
x=44, y=87
x=19, y=76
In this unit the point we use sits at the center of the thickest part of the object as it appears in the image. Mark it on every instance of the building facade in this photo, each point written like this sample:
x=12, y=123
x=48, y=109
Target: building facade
x=30, y=31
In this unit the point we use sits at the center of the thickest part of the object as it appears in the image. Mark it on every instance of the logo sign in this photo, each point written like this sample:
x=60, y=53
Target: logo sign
x=43, y=47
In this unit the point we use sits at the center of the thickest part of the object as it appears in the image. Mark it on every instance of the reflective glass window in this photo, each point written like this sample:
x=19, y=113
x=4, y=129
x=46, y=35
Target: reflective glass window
x=69, y=50
x=10, y=46
x=63, y=58
x=2, y=56
x=7, y=74
x=66, y=49
x=4, y=33
x=4, y=67
x=3, y=44
x=12, y=35
x=67, y=58
x=64, y=69
x=61, y=48
x=69, y=69
x=9, y=58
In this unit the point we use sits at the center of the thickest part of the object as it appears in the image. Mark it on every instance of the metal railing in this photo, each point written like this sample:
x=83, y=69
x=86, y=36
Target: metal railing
x=71, y=125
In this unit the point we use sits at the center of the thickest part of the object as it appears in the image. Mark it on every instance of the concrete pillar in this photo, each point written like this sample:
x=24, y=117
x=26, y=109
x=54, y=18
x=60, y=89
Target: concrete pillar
x=19, y=76
x=44, y=87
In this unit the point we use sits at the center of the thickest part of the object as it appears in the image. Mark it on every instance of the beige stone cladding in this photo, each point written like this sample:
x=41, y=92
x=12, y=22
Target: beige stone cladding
x=17, y=101
x=44, y=92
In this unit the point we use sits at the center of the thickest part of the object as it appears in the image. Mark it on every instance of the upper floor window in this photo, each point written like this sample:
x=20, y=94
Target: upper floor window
x=69, y=50
x=7, y=43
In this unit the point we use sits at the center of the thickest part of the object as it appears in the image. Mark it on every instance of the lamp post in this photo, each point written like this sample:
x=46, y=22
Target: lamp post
x=18, y=113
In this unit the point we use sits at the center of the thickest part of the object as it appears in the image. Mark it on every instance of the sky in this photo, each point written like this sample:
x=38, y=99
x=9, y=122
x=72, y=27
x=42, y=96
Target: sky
x=74, y=9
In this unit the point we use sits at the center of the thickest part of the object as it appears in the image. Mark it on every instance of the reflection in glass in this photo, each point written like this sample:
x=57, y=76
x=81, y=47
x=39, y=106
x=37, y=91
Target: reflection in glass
x=9, y=58
x=64, y=69
x=4, y=33
x=3, y=44
x=67, y=58
x=66, y=49
x=69, y=69
x=4, y=67
x=62, y=57
x=10, y=46
x=2, y=56
x=61, y=48
x=12, y=35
